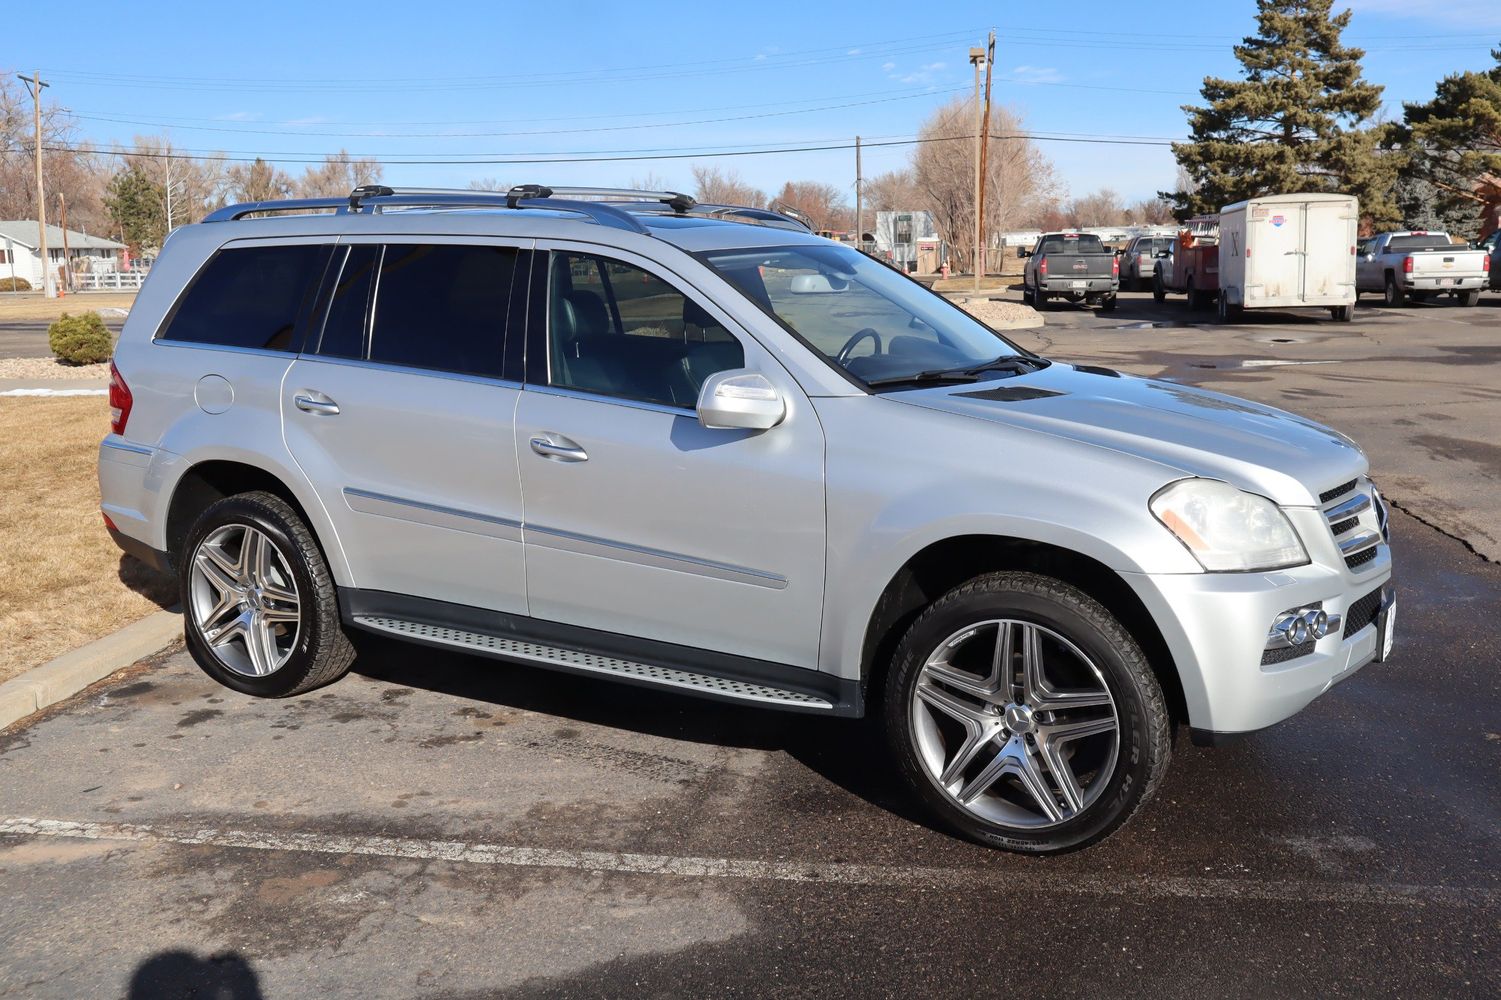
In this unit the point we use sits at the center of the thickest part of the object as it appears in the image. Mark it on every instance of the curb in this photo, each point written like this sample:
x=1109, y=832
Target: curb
x=73, y=671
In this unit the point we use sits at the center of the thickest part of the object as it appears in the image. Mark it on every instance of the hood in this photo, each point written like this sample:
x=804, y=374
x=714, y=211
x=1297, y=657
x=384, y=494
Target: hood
x=1279, y=455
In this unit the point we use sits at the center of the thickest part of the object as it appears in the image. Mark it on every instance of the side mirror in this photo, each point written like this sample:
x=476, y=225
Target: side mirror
x=740, y=399
x=1023, y=252
x=817, y=284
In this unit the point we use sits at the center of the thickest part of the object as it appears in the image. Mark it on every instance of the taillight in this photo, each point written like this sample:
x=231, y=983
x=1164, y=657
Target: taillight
x=1115, y=267
x=1485, y=263
x=1407, y=265
x=119, y=400
x=1042, y=266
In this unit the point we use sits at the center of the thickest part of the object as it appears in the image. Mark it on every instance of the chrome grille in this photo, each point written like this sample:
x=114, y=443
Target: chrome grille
x=1355, y=516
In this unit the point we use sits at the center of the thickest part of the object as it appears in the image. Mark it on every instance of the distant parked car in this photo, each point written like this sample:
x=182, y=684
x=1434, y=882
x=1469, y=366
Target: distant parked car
x=1190, y=264
x=1138, y=259
x=1492, y=245
x=1418, y=265
x=1073, y=266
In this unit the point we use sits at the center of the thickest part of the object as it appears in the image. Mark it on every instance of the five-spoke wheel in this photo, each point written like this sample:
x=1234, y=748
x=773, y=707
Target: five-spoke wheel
x=1024, y=714
x=1015, y=723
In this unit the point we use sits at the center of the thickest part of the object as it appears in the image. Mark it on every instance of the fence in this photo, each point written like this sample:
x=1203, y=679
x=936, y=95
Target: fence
x=112, y=280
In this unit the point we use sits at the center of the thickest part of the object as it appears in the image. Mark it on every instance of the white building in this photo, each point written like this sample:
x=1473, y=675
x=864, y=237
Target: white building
x=20, y=258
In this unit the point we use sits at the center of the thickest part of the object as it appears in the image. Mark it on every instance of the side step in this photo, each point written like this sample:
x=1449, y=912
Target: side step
x=577, y=661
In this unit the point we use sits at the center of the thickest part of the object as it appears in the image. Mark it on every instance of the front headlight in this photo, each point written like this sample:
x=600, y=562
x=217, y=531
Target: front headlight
x=1228, y=529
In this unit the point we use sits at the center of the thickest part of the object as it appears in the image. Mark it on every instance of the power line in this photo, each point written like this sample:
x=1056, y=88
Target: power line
x=637, y=155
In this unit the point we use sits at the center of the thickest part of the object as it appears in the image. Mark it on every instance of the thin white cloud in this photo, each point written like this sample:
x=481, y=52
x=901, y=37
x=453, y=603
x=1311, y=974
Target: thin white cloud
x=1473, y=14
x=240, y=116
x=887, y=67
x=1037, y=74
x=853, y=52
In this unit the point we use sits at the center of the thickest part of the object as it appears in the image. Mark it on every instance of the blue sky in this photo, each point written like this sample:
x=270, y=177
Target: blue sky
x=462, y=81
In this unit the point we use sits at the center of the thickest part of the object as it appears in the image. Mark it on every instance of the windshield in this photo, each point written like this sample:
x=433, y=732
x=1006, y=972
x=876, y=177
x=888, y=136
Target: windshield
x=858, y=313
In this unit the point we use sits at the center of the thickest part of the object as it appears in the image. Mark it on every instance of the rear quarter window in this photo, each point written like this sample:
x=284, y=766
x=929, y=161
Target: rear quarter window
x=249, y=297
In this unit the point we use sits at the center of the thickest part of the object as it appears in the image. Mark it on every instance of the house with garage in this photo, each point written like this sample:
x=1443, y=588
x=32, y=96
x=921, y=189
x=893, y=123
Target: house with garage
x=20, y=257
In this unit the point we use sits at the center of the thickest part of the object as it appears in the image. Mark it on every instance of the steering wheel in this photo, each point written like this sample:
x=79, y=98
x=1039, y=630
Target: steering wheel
x=843, y=357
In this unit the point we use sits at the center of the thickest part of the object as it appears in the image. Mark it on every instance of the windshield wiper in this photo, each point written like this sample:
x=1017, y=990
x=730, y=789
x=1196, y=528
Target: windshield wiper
x=923, y=378
x=1014, y=362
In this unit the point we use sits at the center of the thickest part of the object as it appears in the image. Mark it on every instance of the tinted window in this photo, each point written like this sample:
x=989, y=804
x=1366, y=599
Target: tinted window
x=1085, y=243
x=618, y=330
x=249, y=297
x=1401, y=244
x=345, y=325
x=442, y=307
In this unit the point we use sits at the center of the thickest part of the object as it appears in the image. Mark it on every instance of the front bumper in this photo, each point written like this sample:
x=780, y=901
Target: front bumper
x=1216, y=624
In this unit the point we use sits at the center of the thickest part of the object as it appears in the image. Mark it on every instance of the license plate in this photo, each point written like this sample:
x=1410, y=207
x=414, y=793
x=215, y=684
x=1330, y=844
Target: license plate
x=1081, y=284
x=1388, y=630
x=1446, y=281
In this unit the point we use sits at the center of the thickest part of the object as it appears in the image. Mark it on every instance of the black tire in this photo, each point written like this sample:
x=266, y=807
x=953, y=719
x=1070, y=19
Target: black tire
x=1391, y=295
x=1343, y=314
x=1469, y=298
x=1222, y=307
x=1159, y=290
x=322, y=653
x=1027, y=297
x=1107, y=304
x=1145, y=733
x=1418, y=296
x=1039, y=299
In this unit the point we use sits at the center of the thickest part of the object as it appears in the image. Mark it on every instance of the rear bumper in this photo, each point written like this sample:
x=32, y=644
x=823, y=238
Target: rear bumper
x=1444, y=282
x=1078, y=286
x=131, y=487
x=155, y=558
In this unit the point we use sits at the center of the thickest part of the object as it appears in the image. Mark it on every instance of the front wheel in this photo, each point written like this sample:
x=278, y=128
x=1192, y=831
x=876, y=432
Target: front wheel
x=1025, y=716
x=1107, y=304
x=261, y=614
x=1159, y=290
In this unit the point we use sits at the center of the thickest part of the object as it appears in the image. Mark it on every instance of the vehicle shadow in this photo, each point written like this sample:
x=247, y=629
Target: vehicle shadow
x=841, y=751
x=168, y=975
x=157, y=587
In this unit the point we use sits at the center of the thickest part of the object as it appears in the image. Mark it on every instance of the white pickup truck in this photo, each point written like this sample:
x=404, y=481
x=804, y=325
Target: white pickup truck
x=1419, y=265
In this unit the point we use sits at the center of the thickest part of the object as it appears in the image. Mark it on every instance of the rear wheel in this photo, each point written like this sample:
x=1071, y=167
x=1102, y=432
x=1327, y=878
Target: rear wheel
x=1469, y=298
x=1391, y=295
x=261, y=614
x=1159, y=291
x=1418, y=296
x=1039, y=299
x=1343, y=314
x=1107, y=304
x=1024, y=715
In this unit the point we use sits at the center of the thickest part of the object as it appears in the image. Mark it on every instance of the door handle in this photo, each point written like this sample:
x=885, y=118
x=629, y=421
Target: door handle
x=560, y=450
x=313, y=404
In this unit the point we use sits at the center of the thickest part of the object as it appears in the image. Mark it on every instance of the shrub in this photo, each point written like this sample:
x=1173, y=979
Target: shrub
x=80, y=340
x=14, y=285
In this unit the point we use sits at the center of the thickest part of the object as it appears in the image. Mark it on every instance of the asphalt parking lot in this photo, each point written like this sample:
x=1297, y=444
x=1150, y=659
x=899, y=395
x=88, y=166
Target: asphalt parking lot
x=438, y=826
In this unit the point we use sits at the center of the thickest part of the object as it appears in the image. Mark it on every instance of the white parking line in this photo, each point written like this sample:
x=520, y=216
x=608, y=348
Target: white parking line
x=1031, y=879
x=55, y=392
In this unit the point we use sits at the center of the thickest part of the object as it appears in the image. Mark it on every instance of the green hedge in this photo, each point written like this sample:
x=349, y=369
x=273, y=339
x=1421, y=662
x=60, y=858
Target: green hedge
x=80, y=340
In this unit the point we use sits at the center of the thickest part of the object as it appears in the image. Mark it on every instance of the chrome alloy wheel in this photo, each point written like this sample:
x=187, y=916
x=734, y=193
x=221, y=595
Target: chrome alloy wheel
x=244, y=600
x=1000, y=739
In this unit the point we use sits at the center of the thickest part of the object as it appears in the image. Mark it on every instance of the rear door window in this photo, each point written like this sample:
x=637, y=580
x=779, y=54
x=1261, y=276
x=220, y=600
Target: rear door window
x=442, y=307
x=347, y=320
x=250, y=296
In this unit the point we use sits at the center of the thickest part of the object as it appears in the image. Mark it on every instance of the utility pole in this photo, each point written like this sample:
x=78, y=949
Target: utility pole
x=859, y=205
x=984, y=149
x=62, y=203
x=34, y=86
x=976, y=56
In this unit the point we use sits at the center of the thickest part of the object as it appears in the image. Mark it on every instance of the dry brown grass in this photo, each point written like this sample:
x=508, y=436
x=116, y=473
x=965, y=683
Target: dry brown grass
x=62, y=581
x=35, y=307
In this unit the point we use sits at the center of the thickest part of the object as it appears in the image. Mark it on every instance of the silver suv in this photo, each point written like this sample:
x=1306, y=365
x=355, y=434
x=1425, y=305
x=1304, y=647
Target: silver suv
x=700, y=449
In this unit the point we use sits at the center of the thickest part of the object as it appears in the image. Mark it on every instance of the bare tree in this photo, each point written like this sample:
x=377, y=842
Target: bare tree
x=1102, y=208
x=823, y=203
x=725, y=187
x=69, y=168
x=895, y=191
x=337, y=175
x=1018, y=176
x=487, y=184
x=650, y=181
x=196, y=186
x=258, y=181
x=1152, y=212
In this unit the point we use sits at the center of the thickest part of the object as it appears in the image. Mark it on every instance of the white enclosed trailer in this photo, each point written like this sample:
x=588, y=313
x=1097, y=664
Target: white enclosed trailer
x=1289, y=251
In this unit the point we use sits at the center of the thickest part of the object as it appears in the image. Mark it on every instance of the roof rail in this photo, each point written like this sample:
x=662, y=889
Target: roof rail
x=375, y=198
x=612, y=207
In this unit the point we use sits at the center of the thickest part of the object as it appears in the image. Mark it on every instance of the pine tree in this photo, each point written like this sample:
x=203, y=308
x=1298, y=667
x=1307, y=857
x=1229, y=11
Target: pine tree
x=1454, y=142
x=133, y=201
x=1300, y=120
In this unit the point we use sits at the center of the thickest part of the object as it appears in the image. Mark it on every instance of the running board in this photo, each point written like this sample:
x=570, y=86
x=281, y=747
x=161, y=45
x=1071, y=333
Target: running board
x=579, y=661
